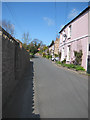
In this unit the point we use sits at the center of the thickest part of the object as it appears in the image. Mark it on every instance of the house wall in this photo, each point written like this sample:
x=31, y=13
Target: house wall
x=56, y=46
x=78, y=40
x=51, y=50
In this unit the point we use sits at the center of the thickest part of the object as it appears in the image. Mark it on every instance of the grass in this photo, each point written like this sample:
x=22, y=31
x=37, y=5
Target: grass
x=72, y=66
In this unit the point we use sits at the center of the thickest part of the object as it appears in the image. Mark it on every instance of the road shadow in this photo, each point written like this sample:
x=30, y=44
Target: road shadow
x=21, y=102
x=34, y=56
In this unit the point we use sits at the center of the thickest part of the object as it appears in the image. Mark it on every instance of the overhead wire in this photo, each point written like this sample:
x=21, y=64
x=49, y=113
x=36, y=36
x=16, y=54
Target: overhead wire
x=56, y=31
x=13, y=16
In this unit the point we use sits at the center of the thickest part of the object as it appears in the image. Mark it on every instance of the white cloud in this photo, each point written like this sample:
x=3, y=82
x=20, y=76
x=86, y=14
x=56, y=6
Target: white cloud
x=73, y=13
x=49, y=21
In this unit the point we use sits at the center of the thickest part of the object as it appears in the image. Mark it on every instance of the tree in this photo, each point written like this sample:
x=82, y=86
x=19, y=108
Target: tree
x=37, y=43
x=45, y=47
x=26, y=38
x=8, y=27
x=34, y=45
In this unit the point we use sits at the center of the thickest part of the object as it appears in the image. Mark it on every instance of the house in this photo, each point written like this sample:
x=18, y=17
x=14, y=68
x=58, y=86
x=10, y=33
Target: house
x=75, y=36
x=51, y=48
x=56, y=46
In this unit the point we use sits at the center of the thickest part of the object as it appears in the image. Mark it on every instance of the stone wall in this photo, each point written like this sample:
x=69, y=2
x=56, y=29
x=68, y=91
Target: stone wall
x=15, y=61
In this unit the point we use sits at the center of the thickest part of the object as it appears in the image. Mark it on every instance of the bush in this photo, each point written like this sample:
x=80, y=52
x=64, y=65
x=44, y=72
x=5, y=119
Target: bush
x=58, y=62
x=44, y=55
x=48, y=56
x=76, y=67
x=78, y=57
x=80, y=68
x=64, y=61
x=56, y=55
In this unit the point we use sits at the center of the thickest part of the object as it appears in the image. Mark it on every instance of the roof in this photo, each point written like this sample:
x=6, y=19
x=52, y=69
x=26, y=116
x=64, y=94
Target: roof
x=75, y=18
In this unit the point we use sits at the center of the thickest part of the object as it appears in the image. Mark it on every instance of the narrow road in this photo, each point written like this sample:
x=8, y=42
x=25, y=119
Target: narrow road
x=60, y=93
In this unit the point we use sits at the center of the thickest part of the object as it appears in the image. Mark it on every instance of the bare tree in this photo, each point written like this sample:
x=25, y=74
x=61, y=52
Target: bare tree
x=8, y=27
x=26, y=39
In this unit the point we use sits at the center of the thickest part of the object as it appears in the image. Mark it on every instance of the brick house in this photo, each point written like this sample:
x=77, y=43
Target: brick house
x=56, y=46
x=75, y=36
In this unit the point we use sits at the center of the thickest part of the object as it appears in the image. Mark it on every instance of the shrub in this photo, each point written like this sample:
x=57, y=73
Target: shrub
x=78, y=57
x=56, y=55
x=44, y=55
x=76, y=67
x=64, y=61
x=80, y=68
x=59, y=54
x=47, y=56
x=58, y=62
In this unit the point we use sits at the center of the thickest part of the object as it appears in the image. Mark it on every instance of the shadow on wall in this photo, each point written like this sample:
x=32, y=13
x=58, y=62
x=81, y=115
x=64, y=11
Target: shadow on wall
x=20, y=102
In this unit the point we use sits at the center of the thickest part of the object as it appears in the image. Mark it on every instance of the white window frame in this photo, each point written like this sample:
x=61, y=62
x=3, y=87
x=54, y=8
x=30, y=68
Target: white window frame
x=61, y=36
x=69, y=31
x=68, y=52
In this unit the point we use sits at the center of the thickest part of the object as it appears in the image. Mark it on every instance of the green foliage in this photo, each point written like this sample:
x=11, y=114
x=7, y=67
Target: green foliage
x=64, y=61
x=80, y=68
x=44, y=55
x=48, y=51
x=56, y=55
x=78, y=57
x=33, y=46
x=33, y=49
x=25, y=46
x=59, y=54
x=44, y=48
x=58, y=62
x=72, y=66
x=48, y=56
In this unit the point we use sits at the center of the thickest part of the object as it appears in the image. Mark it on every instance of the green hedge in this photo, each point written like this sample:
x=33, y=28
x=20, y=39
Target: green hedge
x=76, y=67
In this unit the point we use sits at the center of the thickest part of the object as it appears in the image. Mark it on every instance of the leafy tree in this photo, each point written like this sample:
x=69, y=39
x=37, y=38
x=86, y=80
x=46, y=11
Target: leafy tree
x=45, y=47
x=34, y=45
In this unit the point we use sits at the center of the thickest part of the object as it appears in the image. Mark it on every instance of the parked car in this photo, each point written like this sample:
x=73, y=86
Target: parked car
x=53, y=58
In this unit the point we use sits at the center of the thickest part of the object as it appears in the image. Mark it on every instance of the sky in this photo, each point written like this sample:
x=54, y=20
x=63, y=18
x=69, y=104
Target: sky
x=43, y=20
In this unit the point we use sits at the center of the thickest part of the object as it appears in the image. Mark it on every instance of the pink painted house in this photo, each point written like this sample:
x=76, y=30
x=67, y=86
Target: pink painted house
x=75, y=36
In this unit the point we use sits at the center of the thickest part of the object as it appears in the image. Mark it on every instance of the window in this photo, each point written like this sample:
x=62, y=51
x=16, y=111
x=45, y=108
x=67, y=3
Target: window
x=68, y=53
x=69, y=31
x=89, y=47
x=64, y=37
x=61, y=38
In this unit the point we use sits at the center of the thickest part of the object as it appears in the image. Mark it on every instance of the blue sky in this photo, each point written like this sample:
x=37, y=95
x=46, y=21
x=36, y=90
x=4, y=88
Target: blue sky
x=43, y=20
